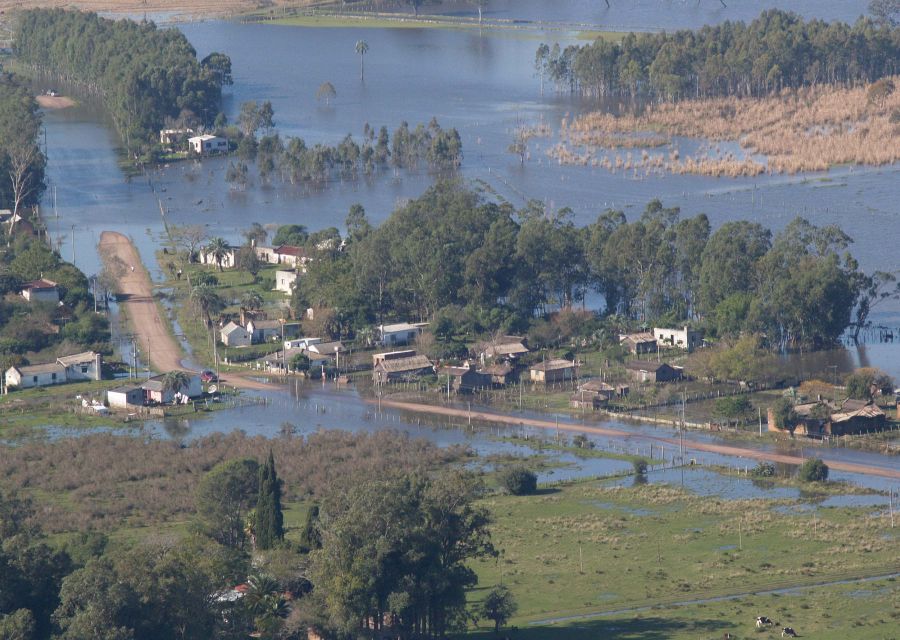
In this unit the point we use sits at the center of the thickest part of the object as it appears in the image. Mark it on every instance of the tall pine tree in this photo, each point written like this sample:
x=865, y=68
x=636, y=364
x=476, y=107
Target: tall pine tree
x=269, y=519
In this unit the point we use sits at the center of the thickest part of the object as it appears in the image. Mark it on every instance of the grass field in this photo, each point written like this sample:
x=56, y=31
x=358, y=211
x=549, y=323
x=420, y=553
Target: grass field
x=588, y=548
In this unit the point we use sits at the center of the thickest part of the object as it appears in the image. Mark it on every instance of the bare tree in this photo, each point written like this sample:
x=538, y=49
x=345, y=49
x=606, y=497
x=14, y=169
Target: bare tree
x=188, y=237
x=23, y=155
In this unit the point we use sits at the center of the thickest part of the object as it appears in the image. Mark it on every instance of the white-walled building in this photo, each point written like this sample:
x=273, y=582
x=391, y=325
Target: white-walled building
x=284, y=281
x=124, y=397
x=35, y=375
x=234, y=335
x=684, y=338
x=154, y=389
x=399, y=333
x=41, y=291
x=206, y=144
x=82, y=366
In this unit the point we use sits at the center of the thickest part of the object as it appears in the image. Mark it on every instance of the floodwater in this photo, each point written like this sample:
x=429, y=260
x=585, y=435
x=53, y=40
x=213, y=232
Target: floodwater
x=484, y=85
x=311, y=406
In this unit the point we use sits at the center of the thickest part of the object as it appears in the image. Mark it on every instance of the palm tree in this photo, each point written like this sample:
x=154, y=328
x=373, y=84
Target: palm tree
x=175, y=381
x=218, y=248
x=481, y=4
x=250, y=302
x=362, y=48
x=265, y=601
x=207, y=302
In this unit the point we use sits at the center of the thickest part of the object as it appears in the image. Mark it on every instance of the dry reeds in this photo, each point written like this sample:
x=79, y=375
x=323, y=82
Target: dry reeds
x=101, y=481
x=809, y=129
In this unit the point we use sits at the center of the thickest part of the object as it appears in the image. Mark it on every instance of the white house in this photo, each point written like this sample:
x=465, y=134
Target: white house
x=124, y=397
x=35, y=375
x=169, y=137
x=229, y=259
x=683, y=338
x=301, y=343
x=205, y=144
x=400, y=333
x=234, y=335
x=41, y=291
x=285, y=254
x=284, y=281
x=264, y=330
x=154, y=389
x=82, y=366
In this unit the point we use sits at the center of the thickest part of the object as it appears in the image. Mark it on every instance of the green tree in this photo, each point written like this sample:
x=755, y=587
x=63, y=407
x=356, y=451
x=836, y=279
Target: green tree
x=640, y=466
x=269, y=518
x=813, y=470
x=733, y=406
x=291, y=234
x=326, y=92
x=207, y=302
x=519, y=480
x=362, y=48
x=225, y=496
x=175, y=381
x=251, y=302
x=217, y=248
x=416, y=568
x=266, y=117
x=865, y=383
x=784, y=414
x=265, y=601
x=498, y=606
x=309, y=535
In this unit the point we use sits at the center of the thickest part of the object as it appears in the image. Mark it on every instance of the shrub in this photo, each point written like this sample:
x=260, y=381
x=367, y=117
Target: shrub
x=763, y=470
x=813, y=470
x=733, y=406
x=640, y=466
x=519, y=481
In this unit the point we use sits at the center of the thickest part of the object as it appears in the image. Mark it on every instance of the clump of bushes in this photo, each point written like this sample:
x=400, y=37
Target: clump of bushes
x=813, y=470
x=519, y=481
x=763, y=470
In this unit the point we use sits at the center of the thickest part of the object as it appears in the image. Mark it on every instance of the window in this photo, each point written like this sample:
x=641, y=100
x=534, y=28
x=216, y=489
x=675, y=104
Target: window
x=84, y=368
x=34, y=379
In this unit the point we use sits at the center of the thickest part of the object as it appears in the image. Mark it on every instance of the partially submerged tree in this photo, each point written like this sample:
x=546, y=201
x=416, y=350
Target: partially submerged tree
x=326, y=92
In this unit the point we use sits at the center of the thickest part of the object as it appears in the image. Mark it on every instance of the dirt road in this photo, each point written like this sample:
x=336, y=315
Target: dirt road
x=708, y=447
x=151, y=333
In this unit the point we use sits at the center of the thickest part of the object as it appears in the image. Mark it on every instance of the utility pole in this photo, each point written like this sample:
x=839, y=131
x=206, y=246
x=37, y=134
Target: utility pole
x=73, y=244
x=760, y=420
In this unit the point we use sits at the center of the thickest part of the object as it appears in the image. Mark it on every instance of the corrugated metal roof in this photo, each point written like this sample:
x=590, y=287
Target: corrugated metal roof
x=413, y=363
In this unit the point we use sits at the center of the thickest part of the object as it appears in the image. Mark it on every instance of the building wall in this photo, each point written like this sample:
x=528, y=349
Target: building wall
x=43, y=380
x=236, y=339
x=87, y=371
x=41, y=295
x=122, y=400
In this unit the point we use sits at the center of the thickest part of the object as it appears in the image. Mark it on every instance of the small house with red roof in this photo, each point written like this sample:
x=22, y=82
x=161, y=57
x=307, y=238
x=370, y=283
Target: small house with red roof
x=41, y=290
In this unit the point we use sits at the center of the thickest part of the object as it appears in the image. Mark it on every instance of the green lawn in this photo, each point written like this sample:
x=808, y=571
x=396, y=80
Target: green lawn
x=587, y=548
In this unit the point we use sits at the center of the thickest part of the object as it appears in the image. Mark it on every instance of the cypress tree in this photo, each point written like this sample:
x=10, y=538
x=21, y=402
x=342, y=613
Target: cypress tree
x=269, y=519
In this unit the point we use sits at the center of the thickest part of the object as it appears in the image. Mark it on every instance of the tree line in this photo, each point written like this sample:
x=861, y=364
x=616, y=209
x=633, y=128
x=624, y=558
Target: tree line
x=777, y=50
x=21, y=160
x=472, y=265
x=142, y=74
x=292, y=161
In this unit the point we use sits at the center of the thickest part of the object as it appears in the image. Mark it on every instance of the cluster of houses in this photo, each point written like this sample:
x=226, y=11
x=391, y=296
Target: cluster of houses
x=256, y=331
x=294, y=259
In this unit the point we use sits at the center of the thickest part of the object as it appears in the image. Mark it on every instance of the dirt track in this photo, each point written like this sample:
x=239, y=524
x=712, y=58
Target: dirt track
x=143, y=312
x=752, y=454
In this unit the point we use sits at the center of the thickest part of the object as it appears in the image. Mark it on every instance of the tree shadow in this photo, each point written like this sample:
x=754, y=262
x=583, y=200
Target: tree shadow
x=644, y=628
x=545, y=491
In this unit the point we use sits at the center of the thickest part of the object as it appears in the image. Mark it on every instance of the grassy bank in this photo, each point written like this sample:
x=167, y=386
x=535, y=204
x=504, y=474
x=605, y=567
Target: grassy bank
x=587, y=548
x=325, y=19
